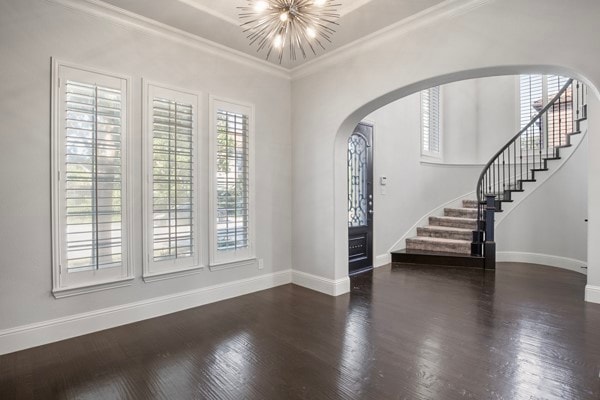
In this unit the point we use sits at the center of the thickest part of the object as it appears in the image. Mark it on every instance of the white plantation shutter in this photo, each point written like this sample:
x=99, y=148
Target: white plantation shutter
x=430, y=121
x=172, y=168
x=232, y=183
x=232, y=180
x=531, y=94
x=535, y=91
x=93, y=176
x=89, y=207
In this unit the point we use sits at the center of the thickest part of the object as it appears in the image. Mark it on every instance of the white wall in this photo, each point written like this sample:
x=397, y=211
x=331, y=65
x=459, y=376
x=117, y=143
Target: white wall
x=32, y=31
x=551, y=220
x=498, y=113
x=459, y=122
x=486, y=38
x=417, y=185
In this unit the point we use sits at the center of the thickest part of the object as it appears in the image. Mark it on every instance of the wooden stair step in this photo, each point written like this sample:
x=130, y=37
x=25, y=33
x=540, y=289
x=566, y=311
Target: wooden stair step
x=469, y=204
x=434, y=244
x=445, y=232
x=426, y=258
x=454, y=222
x=460, y=212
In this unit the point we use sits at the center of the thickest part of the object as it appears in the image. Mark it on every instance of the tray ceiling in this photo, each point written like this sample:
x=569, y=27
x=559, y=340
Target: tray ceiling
x=218, y=20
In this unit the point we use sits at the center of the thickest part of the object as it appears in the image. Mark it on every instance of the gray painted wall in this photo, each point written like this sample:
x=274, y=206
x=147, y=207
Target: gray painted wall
x=32, y=31
x=486, y=40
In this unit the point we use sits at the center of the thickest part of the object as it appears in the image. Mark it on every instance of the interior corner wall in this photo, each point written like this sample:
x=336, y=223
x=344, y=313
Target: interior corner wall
x=33, y=31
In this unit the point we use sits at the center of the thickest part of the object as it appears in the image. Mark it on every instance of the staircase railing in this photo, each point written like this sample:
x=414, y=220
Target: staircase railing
x=525, y=154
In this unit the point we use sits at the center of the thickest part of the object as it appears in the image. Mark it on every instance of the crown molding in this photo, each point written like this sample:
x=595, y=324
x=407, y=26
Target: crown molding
x=100, y=9
x=446, y=9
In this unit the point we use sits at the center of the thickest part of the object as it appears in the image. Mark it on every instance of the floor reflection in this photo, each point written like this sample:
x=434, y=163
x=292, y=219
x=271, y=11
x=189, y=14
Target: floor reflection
x=357, y=354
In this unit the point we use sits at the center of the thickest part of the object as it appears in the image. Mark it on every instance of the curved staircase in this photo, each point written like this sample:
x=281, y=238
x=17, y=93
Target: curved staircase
x=464, y=236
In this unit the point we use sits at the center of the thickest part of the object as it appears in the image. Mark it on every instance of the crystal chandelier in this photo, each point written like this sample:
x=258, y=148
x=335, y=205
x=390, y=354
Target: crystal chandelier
x=295, y=25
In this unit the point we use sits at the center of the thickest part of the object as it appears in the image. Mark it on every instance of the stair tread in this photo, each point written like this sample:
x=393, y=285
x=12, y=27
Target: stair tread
x=446, y=228
x=456, y=218
x=438, y=240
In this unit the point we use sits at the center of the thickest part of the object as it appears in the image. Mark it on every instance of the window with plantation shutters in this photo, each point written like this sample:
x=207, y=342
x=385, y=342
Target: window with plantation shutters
x=231, y=182
x=170, y=138
x=89, y=194
x=430, y=122
x=535, y=92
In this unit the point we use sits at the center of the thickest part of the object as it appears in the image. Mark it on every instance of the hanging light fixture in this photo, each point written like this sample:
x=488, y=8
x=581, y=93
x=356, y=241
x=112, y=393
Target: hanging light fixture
x=295, y=25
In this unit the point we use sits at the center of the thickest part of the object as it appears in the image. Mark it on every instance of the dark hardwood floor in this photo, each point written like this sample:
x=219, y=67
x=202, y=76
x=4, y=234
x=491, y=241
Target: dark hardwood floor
x=405, y=332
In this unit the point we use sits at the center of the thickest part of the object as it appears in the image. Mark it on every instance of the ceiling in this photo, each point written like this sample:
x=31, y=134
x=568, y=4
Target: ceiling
x=218, y=20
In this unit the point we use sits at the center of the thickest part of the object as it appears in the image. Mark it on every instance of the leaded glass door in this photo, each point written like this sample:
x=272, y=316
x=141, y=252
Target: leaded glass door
x=360, y=199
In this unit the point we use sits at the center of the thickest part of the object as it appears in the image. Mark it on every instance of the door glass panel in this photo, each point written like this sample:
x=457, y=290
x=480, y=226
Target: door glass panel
x=357, y=181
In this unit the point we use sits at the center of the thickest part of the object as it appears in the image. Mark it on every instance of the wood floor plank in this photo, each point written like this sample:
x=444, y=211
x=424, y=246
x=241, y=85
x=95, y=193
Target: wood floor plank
x=404, y=332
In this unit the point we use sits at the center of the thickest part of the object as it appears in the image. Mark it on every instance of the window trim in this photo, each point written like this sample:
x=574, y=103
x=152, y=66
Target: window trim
x=153, y=271
x=218, y=260
x=431, y=155
x=61, y=287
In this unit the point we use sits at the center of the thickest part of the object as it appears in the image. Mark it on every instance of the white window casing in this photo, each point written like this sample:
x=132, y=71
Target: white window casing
x=232, y=187
x=171, y=181
x=91, y=223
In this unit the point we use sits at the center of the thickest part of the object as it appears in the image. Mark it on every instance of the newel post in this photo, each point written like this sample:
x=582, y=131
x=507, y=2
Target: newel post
x=490, y=245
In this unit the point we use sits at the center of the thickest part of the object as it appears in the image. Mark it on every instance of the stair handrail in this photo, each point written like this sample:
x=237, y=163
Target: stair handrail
x=538, y=116
x=529, y=144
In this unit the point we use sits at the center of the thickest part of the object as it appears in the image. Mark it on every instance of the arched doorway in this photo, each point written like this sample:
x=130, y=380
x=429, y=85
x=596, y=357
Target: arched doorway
x=340, y=147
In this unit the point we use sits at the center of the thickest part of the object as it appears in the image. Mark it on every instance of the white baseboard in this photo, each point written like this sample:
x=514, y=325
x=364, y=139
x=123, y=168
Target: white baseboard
x=544, y=259
x=320, y=284
x=26, y=336
x=382, y=260
x=592, y=294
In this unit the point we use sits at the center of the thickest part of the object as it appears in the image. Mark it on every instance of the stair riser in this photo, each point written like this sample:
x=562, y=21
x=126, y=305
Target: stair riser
x=458, y=260
x=444, y=234
x=460, y=213
x=469, y=204
x=412, y=244
x=437, y=221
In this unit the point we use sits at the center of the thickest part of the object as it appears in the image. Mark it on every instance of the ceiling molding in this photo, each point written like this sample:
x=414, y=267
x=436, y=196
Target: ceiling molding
x=199, y=6
x=100, y=9
x=446, y=9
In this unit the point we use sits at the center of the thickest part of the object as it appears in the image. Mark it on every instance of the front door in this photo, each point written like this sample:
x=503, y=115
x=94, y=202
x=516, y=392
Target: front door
x=360, y=199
